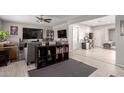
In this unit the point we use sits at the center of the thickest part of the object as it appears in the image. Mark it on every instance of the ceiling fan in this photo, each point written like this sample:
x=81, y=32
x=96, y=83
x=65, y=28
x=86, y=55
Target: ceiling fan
x=41, y=19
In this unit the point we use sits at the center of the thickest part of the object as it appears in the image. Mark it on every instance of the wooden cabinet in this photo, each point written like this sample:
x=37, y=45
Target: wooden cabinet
x=12, y=52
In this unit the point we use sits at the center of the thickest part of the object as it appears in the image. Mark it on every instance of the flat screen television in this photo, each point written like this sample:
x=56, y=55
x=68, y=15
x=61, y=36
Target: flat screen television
x=32, y=33
x=62, y=33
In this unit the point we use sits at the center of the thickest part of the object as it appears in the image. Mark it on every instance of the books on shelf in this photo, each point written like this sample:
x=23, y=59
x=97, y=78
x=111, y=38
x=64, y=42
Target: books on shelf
x=62, y=50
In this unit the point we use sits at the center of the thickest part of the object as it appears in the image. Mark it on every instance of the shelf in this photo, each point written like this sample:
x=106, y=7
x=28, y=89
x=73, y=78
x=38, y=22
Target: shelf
x=48, y=55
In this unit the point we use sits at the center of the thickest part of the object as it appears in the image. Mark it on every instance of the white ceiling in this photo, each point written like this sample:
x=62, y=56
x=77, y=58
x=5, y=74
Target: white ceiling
x=99, y=21
x=31, y=19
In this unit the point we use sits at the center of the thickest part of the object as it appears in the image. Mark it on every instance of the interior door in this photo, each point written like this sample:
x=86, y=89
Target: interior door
x=75, y=38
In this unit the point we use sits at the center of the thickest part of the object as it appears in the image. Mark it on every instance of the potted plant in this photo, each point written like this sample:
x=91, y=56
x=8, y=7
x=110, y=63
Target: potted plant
x=3, y=36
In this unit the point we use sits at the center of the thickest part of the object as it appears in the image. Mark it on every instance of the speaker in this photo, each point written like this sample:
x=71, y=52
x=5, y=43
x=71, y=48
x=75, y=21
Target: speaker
x=90, y=35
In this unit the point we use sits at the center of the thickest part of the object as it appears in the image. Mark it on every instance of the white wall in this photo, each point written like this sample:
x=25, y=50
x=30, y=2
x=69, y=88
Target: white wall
x=70, y=38
x=75, y=21
x=69, y=33
x=68, y=25
x=6, y=27
x=101, y=34
x=82, y=31
x=69, y=29
x=119, y=42
x=0, y=24
x=75, y=38
x=60, y=27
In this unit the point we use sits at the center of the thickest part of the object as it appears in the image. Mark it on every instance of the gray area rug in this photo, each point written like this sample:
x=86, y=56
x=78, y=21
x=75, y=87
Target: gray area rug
x=69, y=68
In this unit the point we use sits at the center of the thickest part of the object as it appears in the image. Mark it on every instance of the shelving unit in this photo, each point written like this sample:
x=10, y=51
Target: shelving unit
x=48, y=55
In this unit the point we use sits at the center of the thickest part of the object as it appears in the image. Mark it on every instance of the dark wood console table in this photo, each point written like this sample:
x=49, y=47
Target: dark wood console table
x=48, y=55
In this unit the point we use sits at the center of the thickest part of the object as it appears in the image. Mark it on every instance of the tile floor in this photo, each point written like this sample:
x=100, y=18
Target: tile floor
x=15, y=69
x=102, y=59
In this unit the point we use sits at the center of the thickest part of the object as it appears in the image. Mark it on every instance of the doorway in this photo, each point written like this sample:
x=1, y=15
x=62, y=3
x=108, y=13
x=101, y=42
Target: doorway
x=75, y=38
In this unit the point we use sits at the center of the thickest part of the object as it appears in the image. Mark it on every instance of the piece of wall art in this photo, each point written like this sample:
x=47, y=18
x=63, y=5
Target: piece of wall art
x=13, y=30
x=50, y=35
x=122, y=28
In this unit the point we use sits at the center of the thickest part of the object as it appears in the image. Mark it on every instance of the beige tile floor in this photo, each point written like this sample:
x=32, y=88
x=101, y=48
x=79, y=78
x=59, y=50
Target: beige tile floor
x=104, y=55
x=15, y=69
x=100, y=58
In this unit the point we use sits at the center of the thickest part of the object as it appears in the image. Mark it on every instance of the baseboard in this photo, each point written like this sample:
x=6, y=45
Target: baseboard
x=98, y=47
x=120, y=65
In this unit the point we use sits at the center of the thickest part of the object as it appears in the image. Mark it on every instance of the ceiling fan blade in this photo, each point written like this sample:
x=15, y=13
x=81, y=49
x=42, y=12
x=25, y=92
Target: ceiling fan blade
x=37, y=17
x=47, y=20
x=41, y=19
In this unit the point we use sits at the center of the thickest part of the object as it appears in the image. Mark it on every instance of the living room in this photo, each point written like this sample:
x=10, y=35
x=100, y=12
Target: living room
x=90, y=61
x=56, y=39
x=23, y=33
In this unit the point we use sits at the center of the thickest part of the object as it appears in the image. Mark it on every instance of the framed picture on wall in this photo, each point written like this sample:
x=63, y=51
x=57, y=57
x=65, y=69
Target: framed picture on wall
x=13, y=30
x=50, y=35
x=122, y=28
